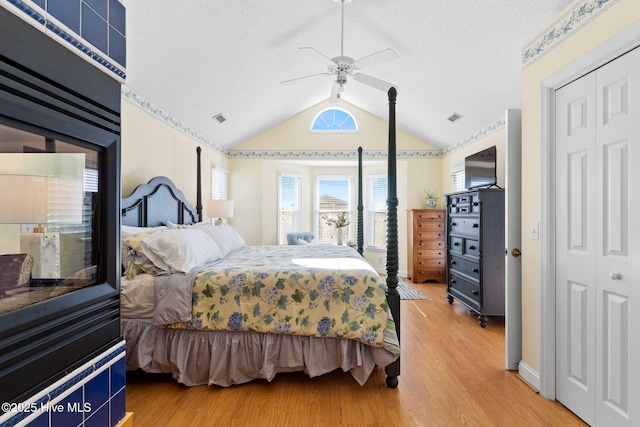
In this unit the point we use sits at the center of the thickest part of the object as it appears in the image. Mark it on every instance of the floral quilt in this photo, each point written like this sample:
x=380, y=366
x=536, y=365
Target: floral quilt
x=323, y=291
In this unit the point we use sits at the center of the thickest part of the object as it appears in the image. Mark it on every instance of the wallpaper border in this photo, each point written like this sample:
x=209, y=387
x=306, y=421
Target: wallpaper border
x=157, y=112
x=562, y=28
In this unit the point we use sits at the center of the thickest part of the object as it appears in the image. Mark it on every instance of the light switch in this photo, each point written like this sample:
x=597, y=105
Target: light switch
x=533, y=230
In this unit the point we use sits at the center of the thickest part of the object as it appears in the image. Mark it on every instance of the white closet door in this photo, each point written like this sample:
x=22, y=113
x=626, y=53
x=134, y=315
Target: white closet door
x=598, y=244
x=575, y=247
x=618, y=242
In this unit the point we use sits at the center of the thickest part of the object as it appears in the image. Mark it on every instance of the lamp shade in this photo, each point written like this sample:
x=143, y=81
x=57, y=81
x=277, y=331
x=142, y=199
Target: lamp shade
x=220, y=208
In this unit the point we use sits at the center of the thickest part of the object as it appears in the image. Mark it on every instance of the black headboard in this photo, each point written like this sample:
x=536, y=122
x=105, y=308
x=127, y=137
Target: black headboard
x=155, y=203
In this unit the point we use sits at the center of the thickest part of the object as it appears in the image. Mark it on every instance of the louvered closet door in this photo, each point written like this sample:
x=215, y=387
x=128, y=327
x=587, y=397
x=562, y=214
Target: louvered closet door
x=598, y=244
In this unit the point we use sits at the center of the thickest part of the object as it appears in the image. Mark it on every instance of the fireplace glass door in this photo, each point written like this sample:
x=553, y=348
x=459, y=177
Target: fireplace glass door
x=50, y=202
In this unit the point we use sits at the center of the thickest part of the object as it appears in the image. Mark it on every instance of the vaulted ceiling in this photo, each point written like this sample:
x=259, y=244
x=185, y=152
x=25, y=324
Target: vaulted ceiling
x=198, y=58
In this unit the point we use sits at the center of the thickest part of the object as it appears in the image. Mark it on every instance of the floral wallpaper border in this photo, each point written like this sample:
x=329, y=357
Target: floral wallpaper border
x=575, y=18
x=145, y=105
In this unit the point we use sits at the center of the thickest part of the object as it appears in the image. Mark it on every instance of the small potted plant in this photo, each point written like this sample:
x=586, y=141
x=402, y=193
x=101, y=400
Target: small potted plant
x=431, y=198
x=339, y=222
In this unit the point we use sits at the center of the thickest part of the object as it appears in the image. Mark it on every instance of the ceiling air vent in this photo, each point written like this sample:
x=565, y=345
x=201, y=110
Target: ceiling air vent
x=220, y=118
x=454, y=117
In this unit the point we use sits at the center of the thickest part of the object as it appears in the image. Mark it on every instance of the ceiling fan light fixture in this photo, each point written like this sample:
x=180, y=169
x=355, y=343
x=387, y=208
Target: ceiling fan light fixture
x=454, y=117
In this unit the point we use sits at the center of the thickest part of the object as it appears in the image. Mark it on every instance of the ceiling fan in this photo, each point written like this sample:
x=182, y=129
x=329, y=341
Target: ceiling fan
x=343, y=66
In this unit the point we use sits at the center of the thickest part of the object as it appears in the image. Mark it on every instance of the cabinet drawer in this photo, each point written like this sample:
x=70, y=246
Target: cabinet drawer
x=464, y=225
x=430, y=253
x=456, y=244
x=471, y=247
x=430, y=226
x=464, y=290
x=430, y=235
x=431, y=263
x=465, y=267
x=429, y=215
x=429, y=244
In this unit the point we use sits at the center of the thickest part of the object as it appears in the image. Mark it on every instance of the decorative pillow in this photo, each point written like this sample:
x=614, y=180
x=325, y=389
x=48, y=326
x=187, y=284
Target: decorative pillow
x=136, y=260
x=225, y=236
x=181, y=249
x=127, y=231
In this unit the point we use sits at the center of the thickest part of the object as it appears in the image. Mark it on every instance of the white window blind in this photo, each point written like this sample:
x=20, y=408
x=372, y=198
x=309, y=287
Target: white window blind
x=457, y=174
x=377, y=211
x=219, y=183
x=288, y=205
x=333, y=195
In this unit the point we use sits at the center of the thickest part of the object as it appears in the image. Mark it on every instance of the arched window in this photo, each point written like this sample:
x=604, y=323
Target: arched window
x=334, y=119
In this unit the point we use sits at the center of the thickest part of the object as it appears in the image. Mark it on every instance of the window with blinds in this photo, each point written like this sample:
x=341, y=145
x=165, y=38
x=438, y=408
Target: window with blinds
x=333, y=195
x=219, y=183
x=288, y=206
x=377, y=211
x=457, y=174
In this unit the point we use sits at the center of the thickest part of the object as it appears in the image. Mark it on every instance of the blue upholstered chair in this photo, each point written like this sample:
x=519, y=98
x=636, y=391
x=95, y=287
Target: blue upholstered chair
x=307, y=236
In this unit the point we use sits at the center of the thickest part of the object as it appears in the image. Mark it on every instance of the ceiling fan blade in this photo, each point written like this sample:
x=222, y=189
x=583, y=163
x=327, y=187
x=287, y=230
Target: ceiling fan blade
x=297, y=79
x=319, y=56
x=335, y=93
x=374, y=59
x=373, y=82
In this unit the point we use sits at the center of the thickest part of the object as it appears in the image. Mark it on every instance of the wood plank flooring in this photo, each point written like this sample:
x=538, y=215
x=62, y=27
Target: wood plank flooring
x=452, y=373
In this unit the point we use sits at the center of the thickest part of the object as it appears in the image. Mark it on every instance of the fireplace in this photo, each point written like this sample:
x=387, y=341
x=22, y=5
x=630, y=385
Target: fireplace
x=53, y=103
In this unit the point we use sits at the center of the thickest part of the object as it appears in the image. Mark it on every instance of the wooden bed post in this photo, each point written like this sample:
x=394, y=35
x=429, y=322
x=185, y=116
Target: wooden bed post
x=393, y=297
x=360, y=231
x=198, y=186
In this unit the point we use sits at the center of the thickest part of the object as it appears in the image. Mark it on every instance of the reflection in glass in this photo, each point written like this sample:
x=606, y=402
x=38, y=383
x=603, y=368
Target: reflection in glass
x=49, y=192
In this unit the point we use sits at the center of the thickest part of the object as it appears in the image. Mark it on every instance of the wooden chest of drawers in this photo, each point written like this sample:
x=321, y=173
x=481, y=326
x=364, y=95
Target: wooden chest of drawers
x=475, y=246
x=426, y=240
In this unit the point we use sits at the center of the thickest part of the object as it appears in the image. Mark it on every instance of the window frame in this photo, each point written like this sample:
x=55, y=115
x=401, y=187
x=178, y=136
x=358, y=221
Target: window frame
x=219, y=190
x=316, y=209
x=371, y=212
x=297, y=219
x=356, y=128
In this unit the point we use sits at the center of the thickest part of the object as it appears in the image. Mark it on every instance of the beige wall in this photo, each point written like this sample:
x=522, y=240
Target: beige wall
x=150, y=147
x=602, y=28
x=496, y=138
x=254, y=181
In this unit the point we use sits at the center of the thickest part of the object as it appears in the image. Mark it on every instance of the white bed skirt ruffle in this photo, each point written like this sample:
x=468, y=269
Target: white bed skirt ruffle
x=226, y=358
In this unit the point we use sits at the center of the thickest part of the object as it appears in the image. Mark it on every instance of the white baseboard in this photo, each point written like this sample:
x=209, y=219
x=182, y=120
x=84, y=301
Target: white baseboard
x=529, y=375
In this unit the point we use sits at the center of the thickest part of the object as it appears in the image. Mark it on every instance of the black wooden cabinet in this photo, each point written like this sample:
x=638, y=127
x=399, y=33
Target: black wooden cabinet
x=475, y=251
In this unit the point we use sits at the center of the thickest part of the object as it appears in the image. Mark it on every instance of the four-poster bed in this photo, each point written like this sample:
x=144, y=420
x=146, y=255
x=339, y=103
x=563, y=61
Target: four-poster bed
x=288, y=327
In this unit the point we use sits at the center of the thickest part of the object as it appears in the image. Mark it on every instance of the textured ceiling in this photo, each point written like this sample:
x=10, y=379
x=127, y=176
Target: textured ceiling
x=197, y=58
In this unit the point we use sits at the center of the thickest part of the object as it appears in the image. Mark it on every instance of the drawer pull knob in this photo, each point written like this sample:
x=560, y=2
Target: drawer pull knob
x=453, y=281
x=456, y=244
x=475, y=203
x=476, y=225
x=472, y=247
x=453, y=224
x=453, y=262
x=475, y=292
x=475, y=270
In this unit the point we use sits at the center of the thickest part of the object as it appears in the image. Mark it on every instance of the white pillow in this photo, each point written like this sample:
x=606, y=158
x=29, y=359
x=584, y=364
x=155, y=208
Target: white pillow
x=181, y=249
x=225, y=236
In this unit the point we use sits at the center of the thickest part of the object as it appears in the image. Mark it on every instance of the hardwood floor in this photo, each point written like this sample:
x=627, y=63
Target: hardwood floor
x=452, y=373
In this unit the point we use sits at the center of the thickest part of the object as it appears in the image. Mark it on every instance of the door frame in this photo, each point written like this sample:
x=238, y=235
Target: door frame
x=606, y=52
